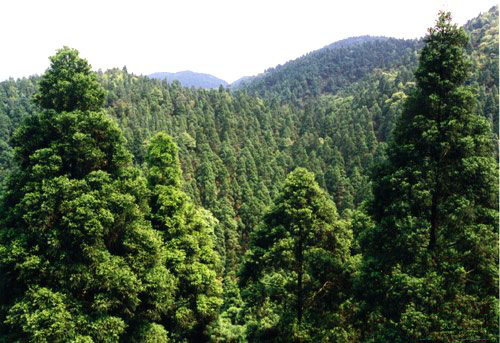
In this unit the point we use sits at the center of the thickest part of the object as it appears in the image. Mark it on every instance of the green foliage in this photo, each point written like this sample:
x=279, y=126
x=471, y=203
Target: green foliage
x=151, y=333
x=43, y=316
x=76, y=237
x=163, y=162
x=432, y=256
x=230, y=326
x=69, y=84
x=78, y=260
x=332, y=69
x=237, y=149
x=296, y=274
x=483, y=48
x=188, y=235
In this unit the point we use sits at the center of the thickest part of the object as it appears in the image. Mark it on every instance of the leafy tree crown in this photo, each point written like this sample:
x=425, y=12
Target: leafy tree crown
x=69, y=84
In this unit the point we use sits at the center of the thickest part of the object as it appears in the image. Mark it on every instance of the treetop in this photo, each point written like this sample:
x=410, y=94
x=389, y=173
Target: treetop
x=69, y=84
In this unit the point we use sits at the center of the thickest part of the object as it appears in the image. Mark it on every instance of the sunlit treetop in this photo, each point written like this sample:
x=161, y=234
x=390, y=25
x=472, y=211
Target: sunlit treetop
x=69, y=84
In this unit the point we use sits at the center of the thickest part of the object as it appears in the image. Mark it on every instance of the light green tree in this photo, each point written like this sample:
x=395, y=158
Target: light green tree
x=69, y=84
x=188, y=233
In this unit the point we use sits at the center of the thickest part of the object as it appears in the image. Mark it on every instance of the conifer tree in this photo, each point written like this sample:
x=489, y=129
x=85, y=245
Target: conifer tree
x=78, y=260
x=296, y=274
x=188, y=234
x=69, y=84
x=431, y=259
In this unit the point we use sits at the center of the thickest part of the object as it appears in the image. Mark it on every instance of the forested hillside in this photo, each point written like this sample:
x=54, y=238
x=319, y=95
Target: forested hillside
x=225, y=202
x=335, y=68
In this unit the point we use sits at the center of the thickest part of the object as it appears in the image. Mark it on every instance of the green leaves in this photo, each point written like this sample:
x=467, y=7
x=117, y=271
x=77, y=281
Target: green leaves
x=134, y=259
x=43, y=316
x=69, y=84
x=163, y=162
x=435, y=208
x=296, y=272
x=188, y=236
x=78, y=259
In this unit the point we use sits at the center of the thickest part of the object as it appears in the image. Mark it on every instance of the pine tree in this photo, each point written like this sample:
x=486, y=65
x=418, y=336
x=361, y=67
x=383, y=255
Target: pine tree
x=78, y=260
x=431, y=260
x=296, y=274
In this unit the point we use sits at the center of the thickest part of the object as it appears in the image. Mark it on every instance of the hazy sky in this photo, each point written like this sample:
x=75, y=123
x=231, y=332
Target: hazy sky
x=226, y=38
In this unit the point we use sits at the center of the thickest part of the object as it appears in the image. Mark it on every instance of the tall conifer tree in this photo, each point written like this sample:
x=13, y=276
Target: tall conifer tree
x=189, y=236
x=79, y=262
x=430, y=266
x=296, y=274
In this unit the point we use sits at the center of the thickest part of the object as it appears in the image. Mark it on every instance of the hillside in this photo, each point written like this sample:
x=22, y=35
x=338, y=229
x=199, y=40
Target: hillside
x=332, y=111
x=352, y=41
x=331, y=70
x=191, y=79
x=339, y=65
x=238, y=83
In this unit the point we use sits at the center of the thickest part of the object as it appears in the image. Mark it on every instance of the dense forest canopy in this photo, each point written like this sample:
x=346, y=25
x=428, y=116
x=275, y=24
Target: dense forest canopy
x=349, y=195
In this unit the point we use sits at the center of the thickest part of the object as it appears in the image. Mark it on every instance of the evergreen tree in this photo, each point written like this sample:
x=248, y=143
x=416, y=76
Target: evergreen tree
x=296, y=274
x=431, y=259
x=79, y=262
x=331, y=111
x=189, y=235
x=339, y=187
x=69, y=84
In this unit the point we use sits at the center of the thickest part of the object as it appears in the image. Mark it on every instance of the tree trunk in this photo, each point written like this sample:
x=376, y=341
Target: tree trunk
x=434, y=221
x=300, y=272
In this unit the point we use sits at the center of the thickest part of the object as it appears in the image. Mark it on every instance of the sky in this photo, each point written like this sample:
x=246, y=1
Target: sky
x=226, y=38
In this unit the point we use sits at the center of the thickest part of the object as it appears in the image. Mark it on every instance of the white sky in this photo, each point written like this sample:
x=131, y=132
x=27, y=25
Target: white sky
x=226, y=38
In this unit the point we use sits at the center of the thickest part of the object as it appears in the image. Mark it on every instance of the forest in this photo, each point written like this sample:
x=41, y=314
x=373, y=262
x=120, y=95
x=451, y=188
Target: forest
x=349, y=195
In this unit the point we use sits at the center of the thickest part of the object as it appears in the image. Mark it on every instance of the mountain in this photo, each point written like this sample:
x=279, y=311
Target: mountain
x=334, y=67
x=344, y=64
x=191, y=79
x=331, y=111
x=351, y=41
x=483, y=49
x=242, y=80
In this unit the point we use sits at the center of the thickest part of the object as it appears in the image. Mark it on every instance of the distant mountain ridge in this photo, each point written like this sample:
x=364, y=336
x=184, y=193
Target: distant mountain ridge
x=241, y=81
x=351, y=41
x=265, y=78
x=189, y=78
x=338, y=65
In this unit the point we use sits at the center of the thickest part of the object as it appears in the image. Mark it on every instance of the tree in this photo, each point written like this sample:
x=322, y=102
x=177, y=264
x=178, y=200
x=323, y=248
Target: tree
x=188, y=234
x=339, y=187
x=78, y=260
x=296, y=274
x=431, y=259
x=69, y=84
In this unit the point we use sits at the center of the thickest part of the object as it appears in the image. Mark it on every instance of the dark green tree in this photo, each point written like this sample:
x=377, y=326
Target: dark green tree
x=339, y=187
x=78, y=260
x=297, y=271
x=430, y=267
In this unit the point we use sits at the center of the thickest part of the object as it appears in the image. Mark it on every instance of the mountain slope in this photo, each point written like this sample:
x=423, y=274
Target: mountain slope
x=338, y=65
x=330, y=111
x=352, y=41
x=333, y=68
x=191, y=79
x=242, y=80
